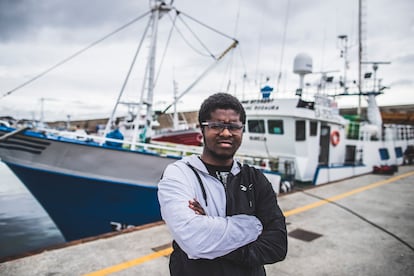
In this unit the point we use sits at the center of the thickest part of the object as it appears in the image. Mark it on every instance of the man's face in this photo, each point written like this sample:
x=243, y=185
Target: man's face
x=220, y=145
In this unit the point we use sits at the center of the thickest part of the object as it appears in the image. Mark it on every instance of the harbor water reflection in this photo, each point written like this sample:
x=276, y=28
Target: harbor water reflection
x=24, y=225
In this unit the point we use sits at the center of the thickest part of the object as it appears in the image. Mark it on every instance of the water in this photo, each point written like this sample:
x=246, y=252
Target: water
x=24, y=225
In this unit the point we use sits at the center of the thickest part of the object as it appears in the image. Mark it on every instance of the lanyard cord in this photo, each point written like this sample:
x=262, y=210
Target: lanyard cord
x=200, y=182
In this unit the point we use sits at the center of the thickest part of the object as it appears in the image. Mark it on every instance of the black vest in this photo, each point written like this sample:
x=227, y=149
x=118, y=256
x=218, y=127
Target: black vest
x=240, y=199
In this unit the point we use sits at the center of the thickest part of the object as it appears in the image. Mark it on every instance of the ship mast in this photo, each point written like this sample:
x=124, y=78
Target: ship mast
x=359, y=55
x=376, y=89
x=157, y=11
x=362, y=50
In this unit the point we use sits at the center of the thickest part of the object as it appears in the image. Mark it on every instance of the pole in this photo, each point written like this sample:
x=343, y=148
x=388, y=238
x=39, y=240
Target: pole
x=359, y=55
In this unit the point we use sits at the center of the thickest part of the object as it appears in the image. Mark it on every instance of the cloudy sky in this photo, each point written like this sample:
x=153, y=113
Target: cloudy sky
x=38, y=34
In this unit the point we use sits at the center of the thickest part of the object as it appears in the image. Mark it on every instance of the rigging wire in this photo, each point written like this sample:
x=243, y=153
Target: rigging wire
x=245, y=71
x=226, y=76
x=232, y=58
x=187, y=42
x=166, y=47
x=359, y=216
x=110, y=121
x=73, y=55
x=206, y=26
x=217, y=59
x=259, y=50
x=198, y=39
x=178, y=12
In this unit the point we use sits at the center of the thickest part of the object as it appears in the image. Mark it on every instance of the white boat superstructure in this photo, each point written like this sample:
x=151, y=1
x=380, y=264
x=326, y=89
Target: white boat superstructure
x=313, y=142
x=321, y=145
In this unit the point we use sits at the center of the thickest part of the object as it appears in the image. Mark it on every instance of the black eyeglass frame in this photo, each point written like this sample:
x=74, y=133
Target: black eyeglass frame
x=220, y=126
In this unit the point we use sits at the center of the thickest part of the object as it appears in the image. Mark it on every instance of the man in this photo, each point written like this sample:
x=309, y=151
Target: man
x=223, y=216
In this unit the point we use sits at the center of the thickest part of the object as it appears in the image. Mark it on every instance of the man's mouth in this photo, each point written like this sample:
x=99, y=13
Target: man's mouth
x=225, y=143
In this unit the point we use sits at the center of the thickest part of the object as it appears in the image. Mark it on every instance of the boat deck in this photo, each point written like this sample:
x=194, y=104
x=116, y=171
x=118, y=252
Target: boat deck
x=359, y=226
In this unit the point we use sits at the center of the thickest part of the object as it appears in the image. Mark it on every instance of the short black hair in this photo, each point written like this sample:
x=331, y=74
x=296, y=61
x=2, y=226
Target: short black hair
x=220, y=101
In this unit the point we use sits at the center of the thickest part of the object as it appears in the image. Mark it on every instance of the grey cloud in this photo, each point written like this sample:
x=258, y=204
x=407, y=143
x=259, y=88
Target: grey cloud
x=23, y=19
x=406, y=59
x=402, y=82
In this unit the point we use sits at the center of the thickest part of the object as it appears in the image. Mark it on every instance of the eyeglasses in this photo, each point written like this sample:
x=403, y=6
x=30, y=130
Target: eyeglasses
x=219, y=126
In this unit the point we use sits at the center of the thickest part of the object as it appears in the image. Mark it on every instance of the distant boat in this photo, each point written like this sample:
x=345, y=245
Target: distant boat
x=311, y=141
x=181, y=132
x=190, y=136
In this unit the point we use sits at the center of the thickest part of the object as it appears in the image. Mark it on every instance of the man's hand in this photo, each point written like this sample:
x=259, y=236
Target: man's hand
x=196, y=207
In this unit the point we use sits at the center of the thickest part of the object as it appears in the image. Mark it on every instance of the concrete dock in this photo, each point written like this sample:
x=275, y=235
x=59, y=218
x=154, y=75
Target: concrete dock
x=359, y=226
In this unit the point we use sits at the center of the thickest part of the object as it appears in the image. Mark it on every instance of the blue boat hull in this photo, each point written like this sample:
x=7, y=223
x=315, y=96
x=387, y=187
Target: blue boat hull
x=100, y=206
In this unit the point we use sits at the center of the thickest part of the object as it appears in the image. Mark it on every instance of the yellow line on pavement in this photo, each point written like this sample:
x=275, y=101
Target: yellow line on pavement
x=168, y=251
x=125, y=265
x=340, y=196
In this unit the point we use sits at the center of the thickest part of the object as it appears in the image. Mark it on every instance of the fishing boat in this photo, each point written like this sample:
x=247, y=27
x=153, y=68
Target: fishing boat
x=311, y=141
x=181, y=132
x=189, y=136
x=88, y=186
x=308, y=141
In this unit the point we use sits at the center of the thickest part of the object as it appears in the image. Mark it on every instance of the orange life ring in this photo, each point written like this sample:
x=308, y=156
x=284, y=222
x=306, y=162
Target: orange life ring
x=335, y=137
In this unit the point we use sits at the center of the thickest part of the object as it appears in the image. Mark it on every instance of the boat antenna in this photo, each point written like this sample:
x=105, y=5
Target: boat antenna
x=324, y=80
x=175, y=117
x=375, y=87
x=344, y=54
x=361, y=49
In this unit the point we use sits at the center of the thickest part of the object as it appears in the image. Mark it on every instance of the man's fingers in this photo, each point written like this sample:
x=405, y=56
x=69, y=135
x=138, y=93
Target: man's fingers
x=196, y=207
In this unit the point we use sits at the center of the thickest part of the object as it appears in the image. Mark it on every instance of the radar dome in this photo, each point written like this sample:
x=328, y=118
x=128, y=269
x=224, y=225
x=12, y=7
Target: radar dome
x=302, y=64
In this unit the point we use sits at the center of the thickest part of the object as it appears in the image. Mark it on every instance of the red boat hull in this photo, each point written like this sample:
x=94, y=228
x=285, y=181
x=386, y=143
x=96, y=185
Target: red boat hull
x=191, y=137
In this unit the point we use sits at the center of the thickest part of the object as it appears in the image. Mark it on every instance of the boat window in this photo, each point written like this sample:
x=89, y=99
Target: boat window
x=300, y=131
x=403, y=133
x=384, y=155
x=313, y=128
x=275, y=126
x=398, y=152
x=350, y=155
x=256, y=126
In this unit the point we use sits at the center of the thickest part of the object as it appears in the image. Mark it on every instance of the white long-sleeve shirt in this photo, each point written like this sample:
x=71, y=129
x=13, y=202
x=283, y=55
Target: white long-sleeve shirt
x=209, y=236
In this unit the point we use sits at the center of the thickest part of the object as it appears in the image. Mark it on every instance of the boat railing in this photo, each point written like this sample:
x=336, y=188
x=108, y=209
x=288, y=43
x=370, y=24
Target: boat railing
x=387, y=132
x=177, y=151
x=158, y=149
x=283, y=165
x=398, y=132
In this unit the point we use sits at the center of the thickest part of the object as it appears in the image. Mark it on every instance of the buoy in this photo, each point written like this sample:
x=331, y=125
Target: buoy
x=335, y=137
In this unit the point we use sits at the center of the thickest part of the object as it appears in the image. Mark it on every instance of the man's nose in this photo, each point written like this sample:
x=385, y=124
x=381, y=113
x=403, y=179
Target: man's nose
x=226, y=132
